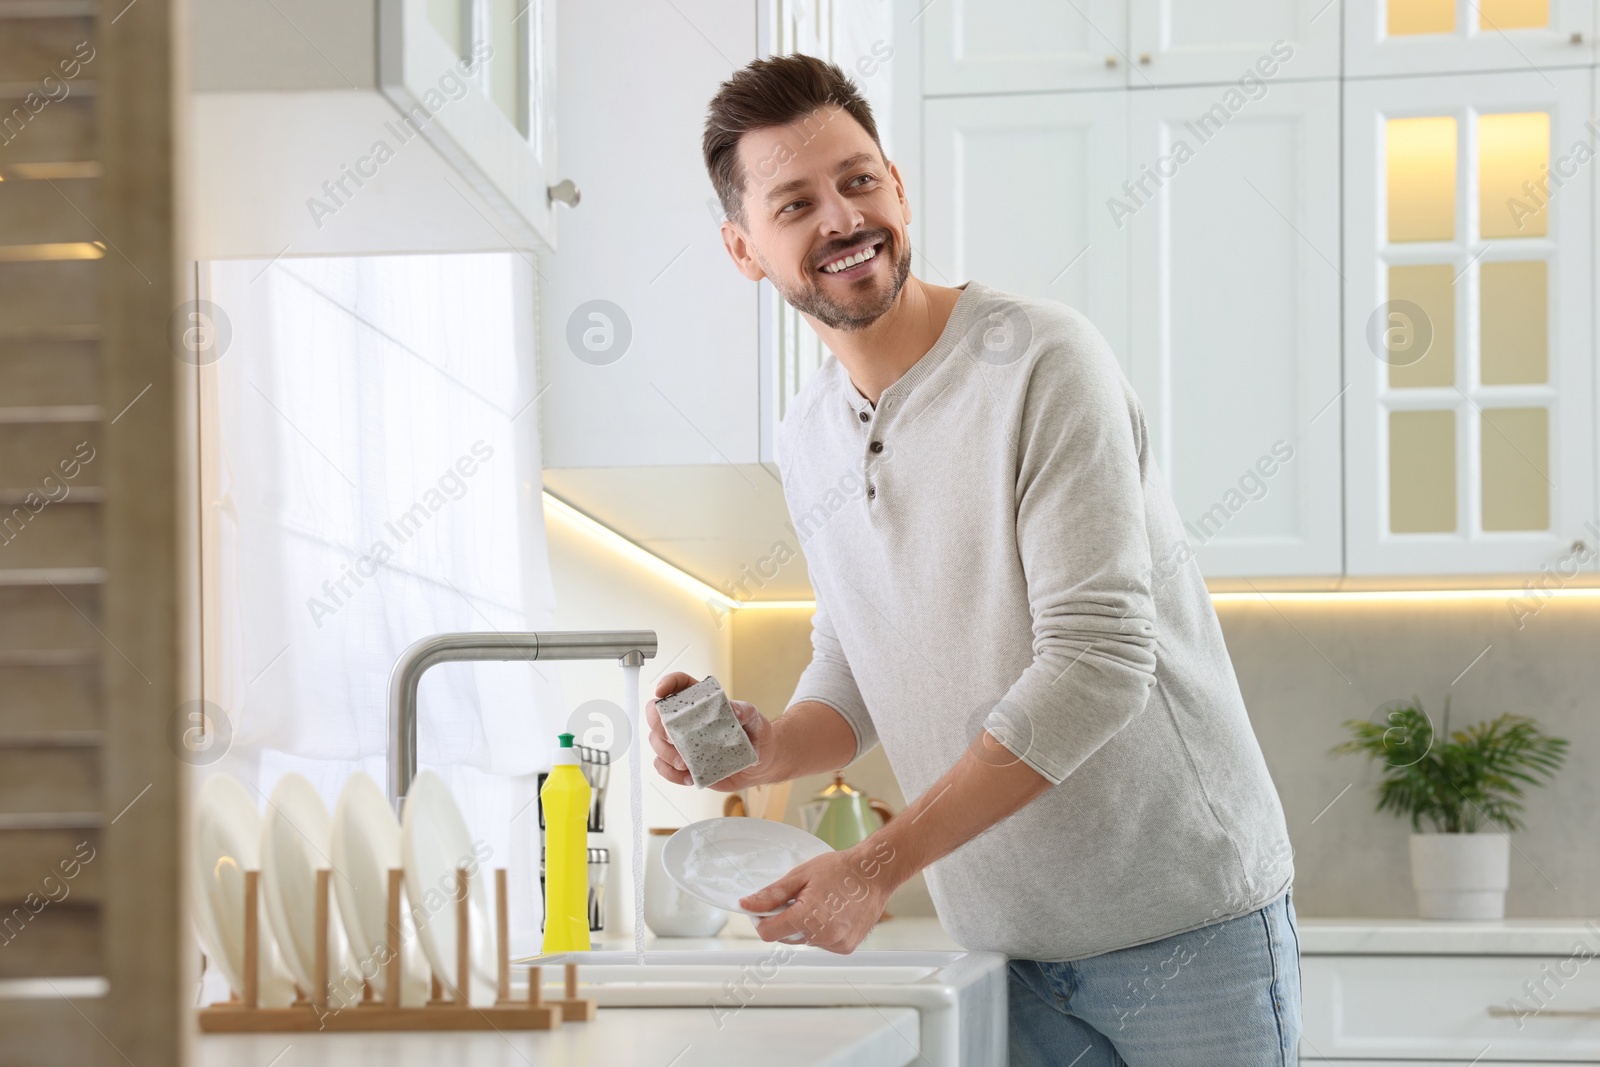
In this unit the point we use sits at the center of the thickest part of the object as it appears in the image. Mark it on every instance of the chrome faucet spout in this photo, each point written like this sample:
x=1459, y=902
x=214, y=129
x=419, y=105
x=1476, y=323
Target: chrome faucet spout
x=628, y=647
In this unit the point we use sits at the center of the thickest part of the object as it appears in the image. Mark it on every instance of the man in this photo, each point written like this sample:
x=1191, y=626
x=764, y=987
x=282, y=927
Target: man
x=1005, y=599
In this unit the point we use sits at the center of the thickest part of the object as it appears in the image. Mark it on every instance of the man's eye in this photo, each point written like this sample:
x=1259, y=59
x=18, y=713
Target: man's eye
x=861, y=177
x=786, y=207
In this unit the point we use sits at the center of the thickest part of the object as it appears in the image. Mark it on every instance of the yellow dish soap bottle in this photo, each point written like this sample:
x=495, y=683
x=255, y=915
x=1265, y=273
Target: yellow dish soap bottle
x=565, y=797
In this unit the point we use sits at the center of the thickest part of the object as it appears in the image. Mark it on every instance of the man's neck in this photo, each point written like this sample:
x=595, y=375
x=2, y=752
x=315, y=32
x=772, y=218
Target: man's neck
x=877, y=356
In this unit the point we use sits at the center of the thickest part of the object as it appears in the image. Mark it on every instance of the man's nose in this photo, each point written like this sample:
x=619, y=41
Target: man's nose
x=839, y=215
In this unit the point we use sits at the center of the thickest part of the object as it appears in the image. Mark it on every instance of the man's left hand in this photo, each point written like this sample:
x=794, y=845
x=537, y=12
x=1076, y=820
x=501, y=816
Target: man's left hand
x=836, y=898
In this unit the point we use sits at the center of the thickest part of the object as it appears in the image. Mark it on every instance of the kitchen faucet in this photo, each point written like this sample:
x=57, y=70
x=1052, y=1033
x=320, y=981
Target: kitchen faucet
x=630, y=647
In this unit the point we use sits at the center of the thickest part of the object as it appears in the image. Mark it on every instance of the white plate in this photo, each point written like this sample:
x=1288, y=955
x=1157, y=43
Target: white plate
x=434, y=843
x=721, y=860
x=227, y=842
x=294, y=846
x=364, y=848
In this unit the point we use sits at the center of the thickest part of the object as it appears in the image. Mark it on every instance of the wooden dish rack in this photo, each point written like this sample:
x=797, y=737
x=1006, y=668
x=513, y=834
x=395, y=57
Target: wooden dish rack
x=242, y=1014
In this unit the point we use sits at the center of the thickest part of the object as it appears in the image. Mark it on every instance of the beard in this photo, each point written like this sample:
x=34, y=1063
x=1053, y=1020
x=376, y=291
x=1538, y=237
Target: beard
x=860, y=309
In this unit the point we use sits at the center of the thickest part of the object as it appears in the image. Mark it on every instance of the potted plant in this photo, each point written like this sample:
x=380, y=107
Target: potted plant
x=1467, y=787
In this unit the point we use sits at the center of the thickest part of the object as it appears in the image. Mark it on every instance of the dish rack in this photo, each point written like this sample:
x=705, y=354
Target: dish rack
x=244, y=1014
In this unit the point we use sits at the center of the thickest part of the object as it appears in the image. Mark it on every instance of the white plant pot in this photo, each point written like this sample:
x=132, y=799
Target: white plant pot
x=1461, y=876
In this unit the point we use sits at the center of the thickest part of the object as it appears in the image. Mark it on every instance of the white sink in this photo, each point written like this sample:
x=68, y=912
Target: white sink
x=960, y=997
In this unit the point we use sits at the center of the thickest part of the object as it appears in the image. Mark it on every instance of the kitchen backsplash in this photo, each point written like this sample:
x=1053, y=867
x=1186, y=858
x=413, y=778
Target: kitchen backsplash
x=1305, y=668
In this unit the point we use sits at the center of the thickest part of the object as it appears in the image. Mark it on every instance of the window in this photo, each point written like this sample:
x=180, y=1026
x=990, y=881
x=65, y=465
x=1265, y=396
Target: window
x=371, y=473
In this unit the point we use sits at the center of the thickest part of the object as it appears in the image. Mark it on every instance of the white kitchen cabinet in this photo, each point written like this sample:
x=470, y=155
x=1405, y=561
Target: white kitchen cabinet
x=1385, y=37
x=1198, y=42
x=1017, y=46
x=649, y=352
x=1235, y=312
x=1017, y=191
x=1469, y=363
x=1013, y=46
x=391, y=127
x=1456, y=1008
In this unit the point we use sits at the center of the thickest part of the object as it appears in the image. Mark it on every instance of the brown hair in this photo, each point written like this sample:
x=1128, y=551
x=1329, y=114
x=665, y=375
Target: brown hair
x=766, y=93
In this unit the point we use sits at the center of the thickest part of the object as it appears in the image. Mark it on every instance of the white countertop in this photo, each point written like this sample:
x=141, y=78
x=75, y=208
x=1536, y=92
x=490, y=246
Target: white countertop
x=1318, y=937
x=1423, y=937
x=868, y=1036
x=618, y=1037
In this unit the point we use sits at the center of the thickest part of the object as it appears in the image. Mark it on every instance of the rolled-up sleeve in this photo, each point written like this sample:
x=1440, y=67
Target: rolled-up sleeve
x=1084, y=550
x=828, y=679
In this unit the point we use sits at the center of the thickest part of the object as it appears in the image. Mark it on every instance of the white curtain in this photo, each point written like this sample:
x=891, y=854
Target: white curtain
x=374, y=477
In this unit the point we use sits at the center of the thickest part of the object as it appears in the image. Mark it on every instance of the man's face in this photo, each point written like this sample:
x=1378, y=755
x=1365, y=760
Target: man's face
x=816, y=192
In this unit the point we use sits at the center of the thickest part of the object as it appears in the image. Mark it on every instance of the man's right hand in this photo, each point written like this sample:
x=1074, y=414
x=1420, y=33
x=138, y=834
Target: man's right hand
x=670, y=765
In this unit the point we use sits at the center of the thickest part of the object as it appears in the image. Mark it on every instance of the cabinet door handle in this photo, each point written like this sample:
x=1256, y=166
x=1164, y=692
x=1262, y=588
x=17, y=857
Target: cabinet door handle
x=1498, y=1012
x=1111, y=61
x=1144, y=58
x=564, y=191
x=1577, y=37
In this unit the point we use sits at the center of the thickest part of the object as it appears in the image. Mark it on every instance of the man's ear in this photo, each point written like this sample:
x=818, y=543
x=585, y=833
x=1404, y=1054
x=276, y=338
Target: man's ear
x=739, y=250
x=900, y=191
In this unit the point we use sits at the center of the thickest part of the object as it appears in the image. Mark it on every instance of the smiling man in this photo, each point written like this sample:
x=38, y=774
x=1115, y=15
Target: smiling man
x=1006, y=601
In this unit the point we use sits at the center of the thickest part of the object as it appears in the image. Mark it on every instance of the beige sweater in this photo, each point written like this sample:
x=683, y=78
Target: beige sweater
x=1010, y=558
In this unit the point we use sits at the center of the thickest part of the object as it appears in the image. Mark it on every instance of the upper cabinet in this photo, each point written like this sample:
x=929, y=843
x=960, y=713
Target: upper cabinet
x=1017, y=191
x=1451, y=36
x=1235, y=321
x=1222, y=229
x=1019, y=46
x=1198, y=42
x=649, y=335
x=1010, y=46
x=394, y=126
x=1469, y=360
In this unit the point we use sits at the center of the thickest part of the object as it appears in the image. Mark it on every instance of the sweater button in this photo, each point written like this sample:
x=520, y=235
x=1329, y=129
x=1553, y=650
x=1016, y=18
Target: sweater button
x=877, y=446
x=871, y=492
x=864, y=416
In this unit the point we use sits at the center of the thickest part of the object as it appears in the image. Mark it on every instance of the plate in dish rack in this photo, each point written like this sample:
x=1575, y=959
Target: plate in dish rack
x=294, y=846
x=720, y=861
x=364, y=848
x=434, y=843
x=227, y=843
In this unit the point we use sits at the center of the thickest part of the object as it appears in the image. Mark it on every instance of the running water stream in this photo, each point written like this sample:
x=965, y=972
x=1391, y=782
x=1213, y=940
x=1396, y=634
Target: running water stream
x=630, y=705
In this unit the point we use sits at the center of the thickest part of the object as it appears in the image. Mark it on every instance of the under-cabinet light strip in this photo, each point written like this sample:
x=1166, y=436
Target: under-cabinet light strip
x=632, y=550
x=606, y=536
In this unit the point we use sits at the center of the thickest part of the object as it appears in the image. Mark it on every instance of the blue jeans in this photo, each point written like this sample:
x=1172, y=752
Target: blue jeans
x=1225, y=995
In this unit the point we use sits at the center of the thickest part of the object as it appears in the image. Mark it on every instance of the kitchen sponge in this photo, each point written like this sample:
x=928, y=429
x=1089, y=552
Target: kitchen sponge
x=701, y=725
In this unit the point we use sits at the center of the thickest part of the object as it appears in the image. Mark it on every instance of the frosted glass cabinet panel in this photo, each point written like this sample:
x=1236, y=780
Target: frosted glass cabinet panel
x=1469, y=404
x=1235, y=323
x=1420, y=176
x=1439, y=36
